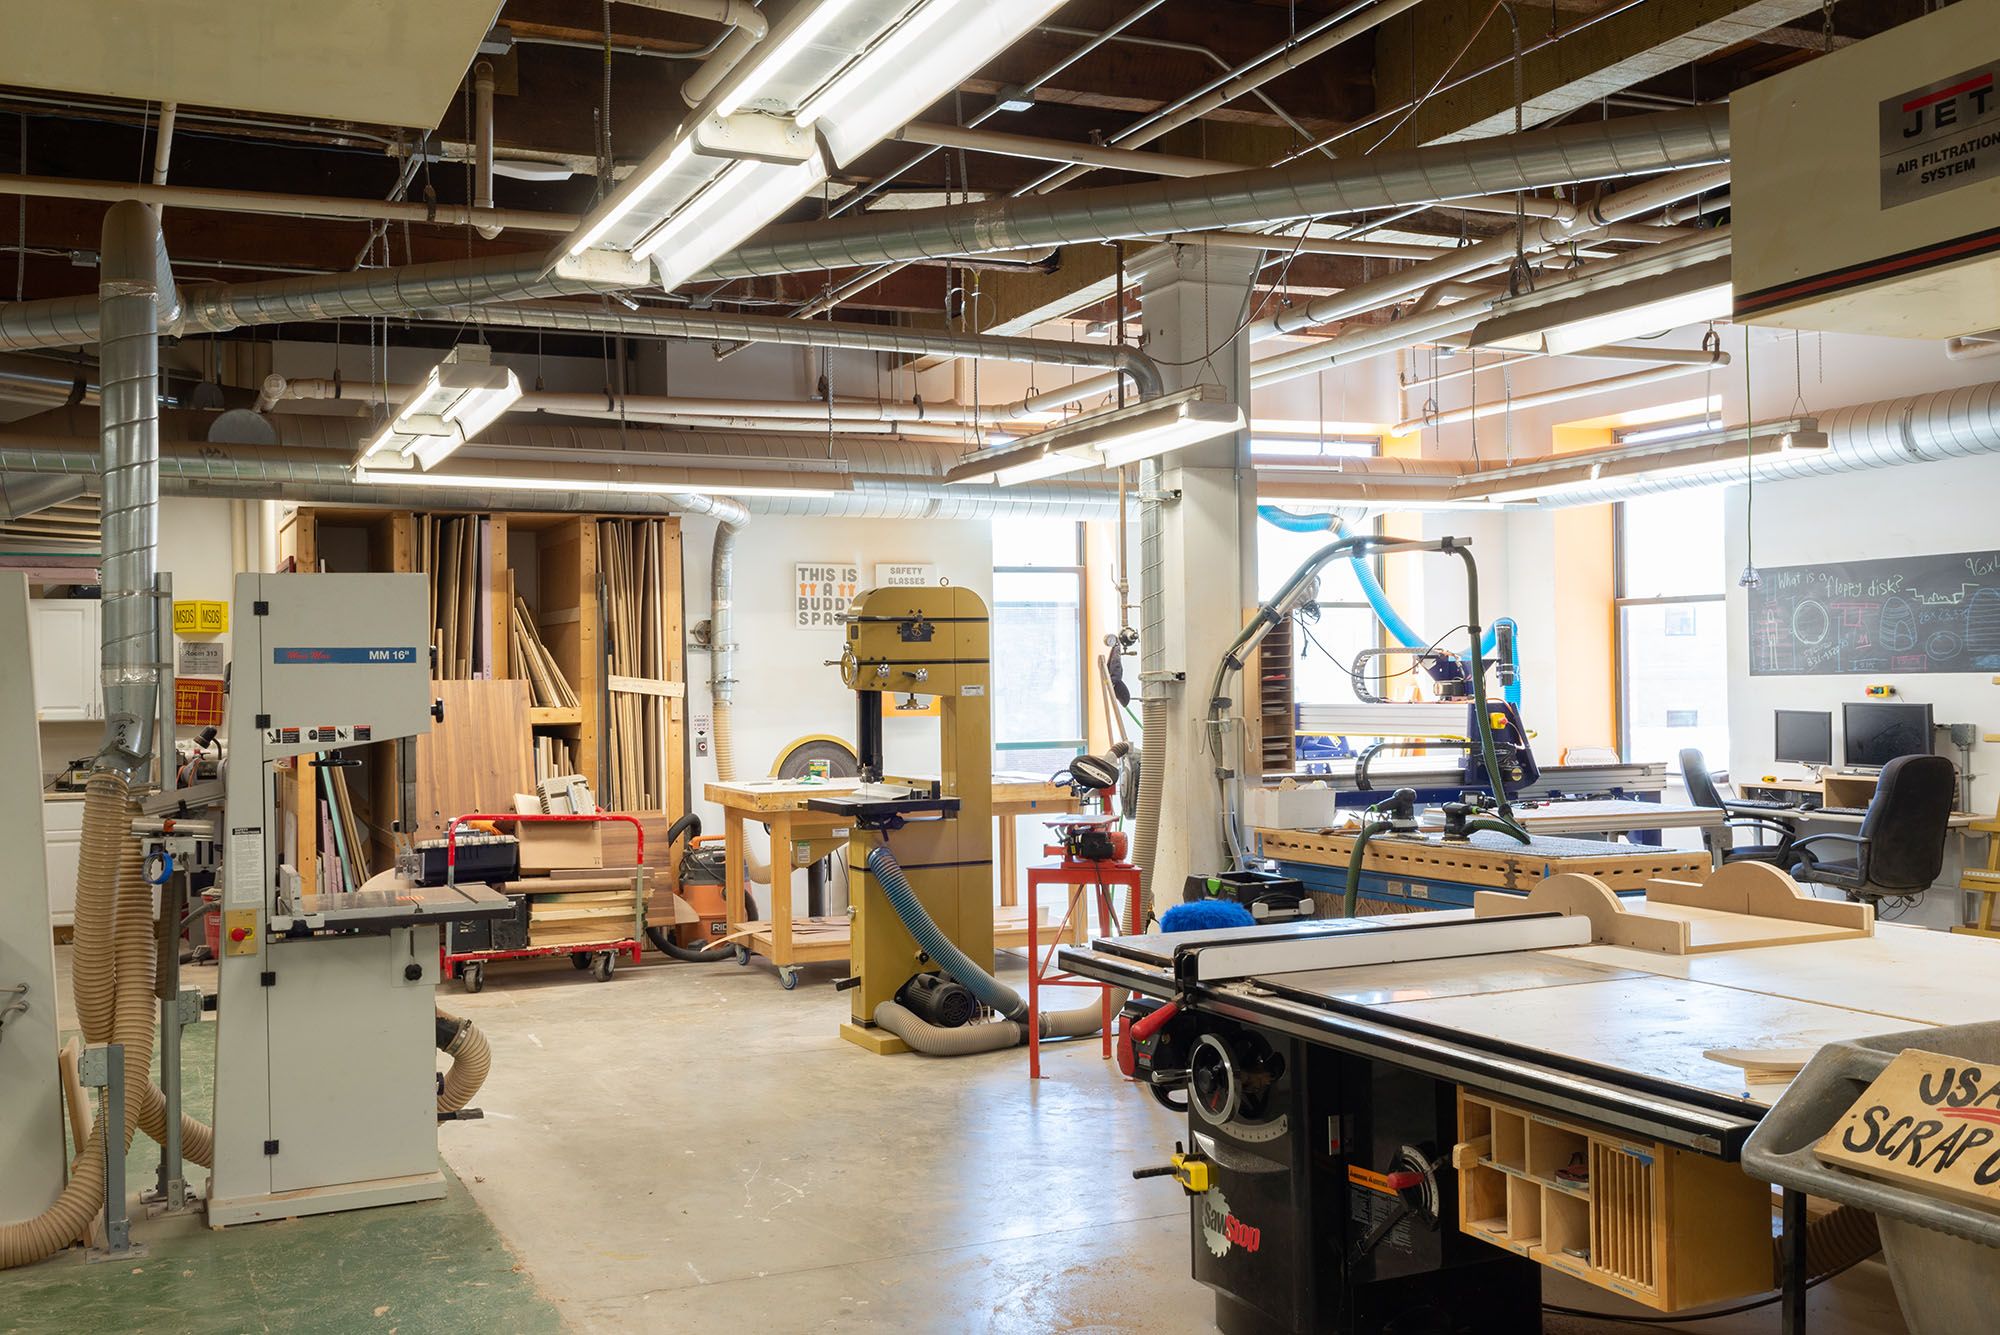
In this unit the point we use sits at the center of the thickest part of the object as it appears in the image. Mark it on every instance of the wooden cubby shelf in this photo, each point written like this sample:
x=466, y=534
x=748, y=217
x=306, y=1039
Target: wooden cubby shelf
x=1649, y=1222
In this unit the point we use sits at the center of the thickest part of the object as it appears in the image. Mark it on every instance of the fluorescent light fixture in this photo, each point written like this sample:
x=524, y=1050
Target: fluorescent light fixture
x=775, y=54
x=745, y=197
x=460, y=398
x=723, y=481
x=1652, y=435
x=1556, y=322
x=634, y=193
x=925, y=56
x=1109, y=439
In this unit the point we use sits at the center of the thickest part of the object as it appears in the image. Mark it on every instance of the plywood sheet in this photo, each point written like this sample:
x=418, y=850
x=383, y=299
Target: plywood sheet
x=478, y=757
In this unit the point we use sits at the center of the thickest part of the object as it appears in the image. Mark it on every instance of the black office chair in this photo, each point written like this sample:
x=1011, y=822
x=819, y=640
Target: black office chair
x=1741, y=814
x=1900, y=850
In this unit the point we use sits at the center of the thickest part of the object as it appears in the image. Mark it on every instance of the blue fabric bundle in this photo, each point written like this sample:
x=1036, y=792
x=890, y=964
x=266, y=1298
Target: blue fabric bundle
x=1204, y=914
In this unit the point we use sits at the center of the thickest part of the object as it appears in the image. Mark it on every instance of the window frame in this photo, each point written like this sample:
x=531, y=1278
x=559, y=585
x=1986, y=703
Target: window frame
x=1079, y=572
x=1620, y=600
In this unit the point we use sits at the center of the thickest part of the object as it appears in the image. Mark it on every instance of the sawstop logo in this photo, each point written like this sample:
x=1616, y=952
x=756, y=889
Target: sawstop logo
x=1223, y=1230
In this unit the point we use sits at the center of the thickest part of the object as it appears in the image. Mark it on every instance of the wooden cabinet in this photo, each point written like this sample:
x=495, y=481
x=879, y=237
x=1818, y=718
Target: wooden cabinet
x=63, y=635
x=62, y=849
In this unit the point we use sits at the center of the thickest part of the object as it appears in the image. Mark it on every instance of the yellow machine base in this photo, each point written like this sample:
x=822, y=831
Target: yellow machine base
x=878, y=1041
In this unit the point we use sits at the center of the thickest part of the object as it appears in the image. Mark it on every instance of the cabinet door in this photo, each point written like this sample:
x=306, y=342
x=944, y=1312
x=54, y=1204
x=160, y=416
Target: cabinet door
x=64, y=635
x=62, y=850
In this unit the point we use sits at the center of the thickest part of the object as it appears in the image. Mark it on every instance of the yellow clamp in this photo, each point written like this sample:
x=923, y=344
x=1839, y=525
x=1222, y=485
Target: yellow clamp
x=1191, y=1171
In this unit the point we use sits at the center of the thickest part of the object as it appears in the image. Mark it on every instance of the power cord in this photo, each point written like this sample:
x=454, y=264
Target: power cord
x=1751, y=1306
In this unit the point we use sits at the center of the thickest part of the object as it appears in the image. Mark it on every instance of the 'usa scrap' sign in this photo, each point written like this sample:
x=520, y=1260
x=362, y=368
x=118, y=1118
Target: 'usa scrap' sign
x=1930, y=1124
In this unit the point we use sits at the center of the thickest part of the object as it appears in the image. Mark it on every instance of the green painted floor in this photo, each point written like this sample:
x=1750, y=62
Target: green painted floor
x=435, y=1266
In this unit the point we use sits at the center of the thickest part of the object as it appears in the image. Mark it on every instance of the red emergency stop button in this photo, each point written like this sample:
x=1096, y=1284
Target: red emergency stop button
x=239, y=934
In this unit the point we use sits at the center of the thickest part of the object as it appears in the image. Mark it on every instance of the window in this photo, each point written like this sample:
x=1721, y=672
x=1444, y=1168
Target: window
x=1038, y=651
x=1346, y=625
x=1673, y=661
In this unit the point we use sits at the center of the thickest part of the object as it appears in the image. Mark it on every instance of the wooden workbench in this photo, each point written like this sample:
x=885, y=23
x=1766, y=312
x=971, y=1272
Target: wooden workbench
x=800, y=837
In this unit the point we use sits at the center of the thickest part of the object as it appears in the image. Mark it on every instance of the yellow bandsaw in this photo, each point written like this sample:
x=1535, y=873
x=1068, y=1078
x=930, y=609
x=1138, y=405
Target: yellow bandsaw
x=917, y=641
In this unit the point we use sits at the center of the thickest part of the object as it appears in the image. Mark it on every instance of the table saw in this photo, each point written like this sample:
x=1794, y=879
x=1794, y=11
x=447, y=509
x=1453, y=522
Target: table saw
x=1395, y=1123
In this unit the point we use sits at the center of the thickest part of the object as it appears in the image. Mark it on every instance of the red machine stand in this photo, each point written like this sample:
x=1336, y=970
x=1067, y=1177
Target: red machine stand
x=1078, y=876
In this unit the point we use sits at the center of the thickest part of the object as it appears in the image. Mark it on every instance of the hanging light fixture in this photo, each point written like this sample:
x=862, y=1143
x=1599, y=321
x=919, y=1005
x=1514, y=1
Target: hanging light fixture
x=460, y=398
x=1109, y=439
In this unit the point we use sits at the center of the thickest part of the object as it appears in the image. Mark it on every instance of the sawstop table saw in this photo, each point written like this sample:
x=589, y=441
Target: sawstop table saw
x=1396, y=1123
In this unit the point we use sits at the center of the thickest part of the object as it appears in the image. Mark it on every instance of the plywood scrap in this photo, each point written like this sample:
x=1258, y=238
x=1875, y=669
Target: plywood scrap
x=1764, y=1066
x=1691, y=919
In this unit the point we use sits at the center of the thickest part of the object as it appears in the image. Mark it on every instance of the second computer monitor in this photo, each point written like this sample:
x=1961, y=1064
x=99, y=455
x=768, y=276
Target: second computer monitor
x=1876, y=733
x=1805, y=737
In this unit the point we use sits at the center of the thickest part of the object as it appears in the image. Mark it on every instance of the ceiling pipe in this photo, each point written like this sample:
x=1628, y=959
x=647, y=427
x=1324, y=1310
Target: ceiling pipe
x=482, y=148
x=1001, y=144
x=1329, y=33
x=163, y=142
x=1459, y=320
x=1576, y=152
x=213, y=200
x=1560, y=394
x=739, y=14
x=1310, y=245
x=747, y=28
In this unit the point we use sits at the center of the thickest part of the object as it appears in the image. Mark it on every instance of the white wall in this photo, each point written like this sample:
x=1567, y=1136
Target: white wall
x=784, y=691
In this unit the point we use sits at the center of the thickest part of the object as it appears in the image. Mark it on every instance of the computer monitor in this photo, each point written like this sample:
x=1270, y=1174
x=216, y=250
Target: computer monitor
x=1805, y=736
x=1874, y=734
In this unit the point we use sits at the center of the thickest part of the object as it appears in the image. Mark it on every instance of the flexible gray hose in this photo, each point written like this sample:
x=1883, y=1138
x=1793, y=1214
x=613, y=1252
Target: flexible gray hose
x=937, y=1041
x=1079, y=1022
x=1152, y=782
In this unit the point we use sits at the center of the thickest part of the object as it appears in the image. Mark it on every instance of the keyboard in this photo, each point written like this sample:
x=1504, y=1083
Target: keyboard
x=1757, y=804
x=1841, y=811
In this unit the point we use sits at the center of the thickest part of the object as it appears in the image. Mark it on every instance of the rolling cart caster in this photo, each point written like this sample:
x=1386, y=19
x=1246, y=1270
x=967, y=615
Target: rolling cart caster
x=743, y=955
x=601, y=968
x=579, y=959
x=788, y=978
x=472, y=977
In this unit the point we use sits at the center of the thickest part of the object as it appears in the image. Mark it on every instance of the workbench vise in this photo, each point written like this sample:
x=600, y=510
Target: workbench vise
x=922, y=641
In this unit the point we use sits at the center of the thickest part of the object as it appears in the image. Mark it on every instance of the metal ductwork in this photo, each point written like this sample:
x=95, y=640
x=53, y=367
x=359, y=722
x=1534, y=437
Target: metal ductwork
x=73, y=321
x=1580, y=152
x=1922, y=428
x=27, y=494
x=892, y=479
x=1141, y=369
x=135, y=294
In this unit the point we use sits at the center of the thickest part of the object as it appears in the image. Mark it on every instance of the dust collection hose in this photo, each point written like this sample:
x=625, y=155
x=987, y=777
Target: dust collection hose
x=470, y=1057
x=1010, y=1031
x=113, y=981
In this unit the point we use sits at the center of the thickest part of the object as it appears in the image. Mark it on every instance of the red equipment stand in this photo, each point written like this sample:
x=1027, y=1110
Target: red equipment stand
x=1079, y=876
x=582, y=954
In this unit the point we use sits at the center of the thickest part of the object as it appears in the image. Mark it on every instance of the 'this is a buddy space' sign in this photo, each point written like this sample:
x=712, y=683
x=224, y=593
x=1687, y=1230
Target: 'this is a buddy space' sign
x=1929, y=1124
x=822, y=591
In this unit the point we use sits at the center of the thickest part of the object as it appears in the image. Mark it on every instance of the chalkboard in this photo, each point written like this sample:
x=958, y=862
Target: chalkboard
x=1938, y=613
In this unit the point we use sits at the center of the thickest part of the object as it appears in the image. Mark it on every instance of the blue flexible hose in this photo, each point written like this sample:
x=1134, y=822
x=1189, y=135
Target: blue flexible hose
x=990, y=990
x=1378, y=597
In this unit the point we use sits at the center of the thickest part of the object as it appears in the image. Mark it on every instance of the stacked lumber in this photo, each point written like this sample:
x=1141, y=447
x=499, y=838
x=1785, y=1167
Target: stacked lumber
x=350, y=838
x=549, y=687
x=448, y=552
x=631, y=555
x=580, y=919
x=554, y=756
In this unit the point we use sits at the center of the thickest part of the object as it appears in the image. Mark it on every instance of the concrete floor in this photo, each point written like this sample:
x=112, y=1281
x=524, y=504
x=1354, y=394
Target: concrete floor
x=690, y=1148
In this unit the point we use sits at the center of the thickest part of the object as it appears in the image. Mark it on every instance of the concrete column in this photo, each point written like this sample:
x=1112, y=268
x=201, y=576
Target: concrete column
x=1198, y=562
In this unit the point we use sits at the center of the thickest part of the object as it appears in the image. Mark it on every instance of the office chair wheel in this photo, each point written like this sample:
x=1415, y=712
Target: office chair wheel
x=602, y=967
x=743, y=955
x=579, y=960
x=788, y=978
x=472, y=977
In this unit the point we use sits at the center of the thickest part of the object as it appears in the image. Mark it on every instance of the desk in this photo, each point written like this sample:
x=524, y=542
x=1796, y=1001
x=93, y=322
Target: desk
x=800, y=837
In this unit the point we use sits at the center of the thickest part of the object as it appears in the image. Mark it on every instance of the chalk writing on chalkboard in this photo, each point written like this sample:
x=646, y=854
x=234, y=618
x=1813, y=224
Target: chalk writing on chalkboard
x=1938, y=613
